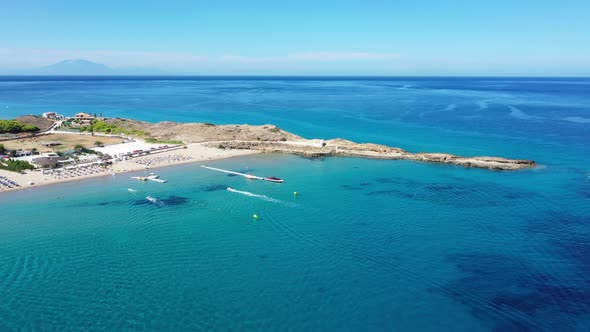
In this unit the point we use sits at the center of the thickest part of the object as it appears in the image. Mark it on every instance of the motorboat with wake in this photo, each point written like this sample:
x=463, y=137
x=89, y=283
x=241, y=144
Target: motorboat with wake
x=273, y=179
x=155, y=178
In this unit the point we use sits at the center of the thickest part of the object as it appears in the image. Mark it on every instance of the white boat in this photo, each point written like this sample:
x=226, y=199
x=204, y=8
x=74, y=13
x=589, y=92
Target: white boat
x=151, y=199
x=155, y=178
x=274, y=179
x=140, y=178
x=151, y=177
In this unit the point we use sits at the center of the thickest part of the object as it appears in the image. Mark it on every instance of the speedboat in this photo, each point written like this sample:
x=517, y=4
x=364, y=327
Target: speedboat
x=274, y=179
x=151, y=199
x=140, y=178
x=155, y=178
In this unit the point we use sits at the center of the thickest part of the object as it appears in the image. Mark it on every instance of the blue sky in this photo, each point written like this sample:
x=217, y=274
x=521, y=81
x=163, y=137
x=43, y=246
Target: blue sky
x=517, y=37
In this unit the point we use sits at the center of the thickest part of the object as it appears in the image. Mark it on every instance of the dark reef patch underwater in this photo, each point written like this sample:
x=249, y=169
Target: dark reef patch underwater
x=214, y=187
x=514, y=295
x=460, y=194
x=566, y=235
x=168, y=201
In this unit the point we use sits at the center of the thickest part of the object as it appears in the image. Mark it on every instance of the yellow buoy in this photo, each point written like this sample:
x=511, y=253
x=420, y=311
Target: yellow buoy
x=255, y=216
x=295, y=193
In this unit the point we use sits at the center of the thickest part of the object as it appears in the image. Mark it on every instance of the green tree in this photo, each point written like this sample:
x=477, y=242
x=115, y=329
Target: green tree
x=99, y=144
x=29, y=128
x=13, y=127
x=79, y=147
x=16, y=165
x=2, y=149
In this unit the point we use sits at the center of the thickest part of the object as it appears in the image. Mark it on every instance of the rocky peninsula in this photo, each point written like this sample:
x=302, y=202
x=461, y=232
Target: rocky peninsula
x=272, y=139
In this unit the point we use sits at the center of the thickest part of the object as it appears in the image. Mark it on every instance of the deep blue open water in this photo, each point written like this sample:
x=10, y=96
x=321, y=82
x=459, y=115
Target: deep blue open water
x=366, y=245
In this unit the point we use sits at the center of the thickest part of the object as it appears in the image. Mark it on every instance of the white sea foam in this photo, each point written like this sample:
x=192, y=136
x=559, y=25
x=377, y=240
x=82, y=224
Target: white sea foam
x=450, y=107
x=263, y=197
x=483, y=104
x=540, y=167
x=154, y=201
x=131, y=190
x=576, y=119
x=247, y=193
x=517, y=113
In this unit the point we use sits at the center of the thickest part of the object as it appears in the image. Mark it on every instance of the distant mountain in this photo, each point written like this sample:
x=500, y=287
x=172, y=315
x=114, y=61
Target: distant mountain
x=74, y=67
x=85, y=67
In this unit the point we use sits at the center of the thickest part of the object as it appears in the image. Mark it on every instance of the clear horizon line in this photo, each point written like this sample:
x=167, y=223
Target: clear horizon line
x=290, y=75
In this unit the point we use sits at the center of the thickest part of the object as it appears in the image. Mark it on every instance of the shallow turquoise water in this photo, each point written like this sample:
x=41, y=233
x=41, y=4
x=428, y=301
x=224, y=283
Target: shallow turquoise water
x=367, y=245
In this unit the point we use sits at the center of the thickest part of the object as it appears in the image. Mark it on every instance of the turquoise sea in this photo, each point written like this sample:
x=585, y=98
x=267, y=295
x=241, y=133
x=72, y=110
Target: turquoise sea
x=367, y=245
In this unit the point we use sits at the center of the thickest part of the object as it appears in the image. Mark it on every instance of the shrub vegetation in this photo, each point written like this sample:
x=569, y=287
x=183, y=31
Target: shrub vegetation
x=155, y=140
x=15, y=165
x=99, y=126
x=14, y=127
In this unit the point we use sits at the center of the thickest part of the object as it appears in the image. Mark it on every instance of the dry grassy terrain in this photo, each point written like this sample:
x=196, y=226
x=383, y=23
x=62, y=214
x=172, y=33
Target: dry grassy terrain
x=68, y=142
x=206, y=132
x=37, y=121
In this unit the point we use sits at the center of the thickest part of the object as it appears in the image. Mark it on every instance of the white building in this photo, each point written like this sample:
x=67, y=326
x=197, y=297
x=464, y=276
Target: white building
x=52, y=116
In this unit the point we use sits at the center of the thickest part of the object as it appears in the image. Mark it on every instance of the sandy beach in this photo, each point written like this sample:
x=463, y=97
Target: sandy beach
x=192, y=153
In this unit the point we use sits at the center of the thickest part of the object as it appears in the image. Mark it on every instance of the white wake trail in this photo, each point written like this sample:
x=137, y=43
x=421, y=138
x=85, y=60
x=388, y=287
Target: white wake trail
x=263, y=197
x=517, y=113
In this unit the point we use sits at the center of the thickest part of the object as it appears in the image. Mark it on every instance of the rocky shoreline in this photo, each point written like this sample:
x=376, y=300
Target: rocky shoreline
x=338, y=147
x=271, y=139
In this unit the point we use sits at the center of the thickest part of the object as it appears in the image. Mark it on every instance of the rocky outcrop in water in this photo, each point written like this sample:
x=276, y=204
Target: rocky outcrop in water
x=272, y=139
x=339, y=147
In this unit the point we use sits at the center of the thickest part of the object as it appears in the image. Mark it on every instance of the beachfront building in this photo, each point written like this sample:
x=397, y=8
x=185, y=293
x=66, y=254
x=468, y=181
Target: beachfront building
x=48, y=161
x=84, y=118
